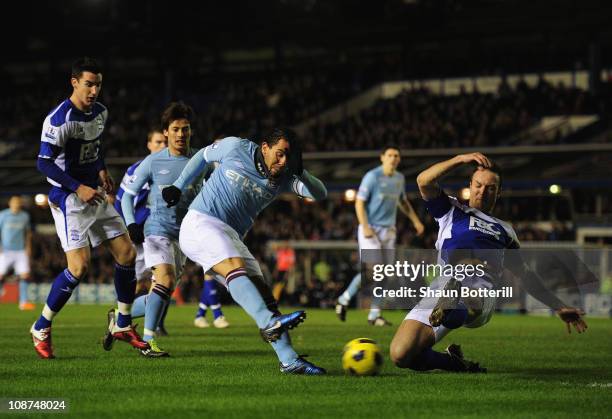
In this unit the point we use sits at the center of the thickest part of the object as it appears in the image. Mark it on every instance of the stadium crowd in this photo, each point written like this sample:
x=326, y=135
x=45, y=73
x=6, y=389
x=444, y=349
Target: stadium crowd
x=421, y=119
x=413, y=119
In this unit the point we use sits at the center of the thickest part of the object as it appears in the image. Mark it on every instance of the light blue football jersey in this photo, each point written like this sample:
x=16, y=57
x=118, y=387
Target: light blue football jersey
x=160, y=170
x=382, y=195
x=13, y=228
x=237, y=191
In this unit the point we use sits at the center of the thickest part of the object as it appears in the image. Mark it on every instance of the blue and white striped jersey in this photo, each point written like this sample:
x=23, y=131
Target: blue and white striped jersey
x=141, y=212
x=70, y=149
x=464, y=227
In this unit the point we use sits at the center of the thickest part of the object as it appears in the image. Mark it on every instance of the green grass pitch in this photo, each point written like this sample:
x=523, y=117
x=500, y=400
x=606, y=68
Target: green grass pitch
x=535, y=370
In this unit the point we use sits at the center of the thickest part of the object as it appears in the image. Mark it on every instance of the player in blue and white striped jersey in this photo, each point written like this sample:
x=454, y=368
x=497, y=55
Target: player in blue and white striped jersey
x=468, y=234
x=71, y=158
x=248, y=179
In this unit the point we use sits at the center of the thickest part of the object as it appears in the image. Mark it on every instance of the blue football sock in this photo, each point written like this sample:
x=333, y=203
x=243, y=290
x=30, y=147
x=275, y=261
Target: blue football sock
x=125, y=286
x=60, y=293
x=203, y=305
x=162, y=319
x=432, y=360
x=212, y=298
x=158, y=298
x=23, y=291
x=244, y=292
x=201, y=310
x=351, y=290
x=138, y=308
x=285, y=352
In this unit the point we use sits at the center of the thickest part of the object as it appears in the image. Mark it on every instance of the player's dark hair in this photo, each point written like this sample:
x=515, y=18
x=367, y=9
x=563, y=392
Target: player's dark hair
x=174, y=111
x=494, y=168
x=390, y=147
x=152, y=131
x=85, y=64
x=279, y=133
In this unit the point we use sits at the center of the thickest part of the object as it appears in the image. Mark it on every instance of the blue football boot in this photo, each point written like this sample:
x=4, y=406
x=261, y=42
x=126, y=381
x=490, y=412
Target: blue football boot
x=301, y=366
x=279, y=324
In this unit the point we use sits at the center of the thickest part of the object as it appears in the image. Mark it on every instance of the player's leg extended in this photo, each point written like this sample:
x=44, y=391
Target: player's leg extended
x=412, y=344
x=61, y=290
x=255, y=297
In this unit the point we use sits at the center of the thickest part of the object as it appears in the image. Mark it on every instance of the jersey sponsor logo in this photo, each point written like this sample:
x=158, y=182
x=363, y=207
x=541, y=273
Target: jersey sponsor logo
x=89, y=152
x=247, y=185
x=164, y=172
x=484, y=227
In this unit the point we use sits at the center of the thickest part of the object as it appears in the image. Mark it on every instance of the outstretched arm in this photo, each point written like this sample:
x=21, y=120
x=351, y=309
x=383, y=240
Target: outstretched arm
x=308, y=186
x=534, y=286
x=192, y=169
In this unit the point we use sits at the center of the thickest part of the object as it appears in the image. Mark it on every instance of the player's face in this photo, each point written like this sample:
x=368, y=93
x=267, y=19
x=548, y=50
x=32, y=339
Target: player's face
x=390, y=159
x=275, y=157
x=484, y=190
x=179, y=135
x=15, y=204
x=157, y=142
x=86, y=89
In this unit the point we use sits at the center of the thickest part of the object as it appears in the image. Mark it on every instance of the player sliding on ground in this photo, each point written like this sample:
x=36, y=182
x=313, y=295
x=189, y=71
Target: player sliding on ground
x=468, y=234
x=247, y=180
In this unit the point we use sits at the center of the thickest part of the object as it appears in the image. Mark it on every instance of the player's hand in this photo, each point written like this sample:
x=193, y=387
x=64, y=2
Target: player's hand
x=572, y=317
x=172, y=195
x=136, y=233
x=368, y=231
x=106, y=180
x=478, y=158
x=89, y=195
x=420, y=228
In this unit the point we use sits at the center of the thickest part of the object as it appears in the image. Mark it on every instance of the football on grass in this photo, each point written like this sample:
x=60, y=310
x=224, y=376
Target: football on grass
x=362, y=357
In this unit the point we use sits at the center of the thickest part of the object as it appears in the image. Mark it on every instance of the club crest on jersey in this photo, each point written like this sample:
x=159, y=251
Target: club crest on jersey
x=484, y=227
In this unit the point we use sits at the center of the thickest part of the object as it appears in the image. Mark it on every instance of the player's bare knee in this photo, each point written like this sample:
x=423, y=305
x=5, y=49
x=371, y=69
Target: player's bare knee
x=403, y=354
x=128, y=258
x=79, y=268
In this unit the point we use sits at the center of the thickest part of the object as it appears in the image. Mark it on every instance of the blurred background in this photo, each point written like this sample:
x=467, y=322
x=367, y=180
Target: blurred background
x=527, y=83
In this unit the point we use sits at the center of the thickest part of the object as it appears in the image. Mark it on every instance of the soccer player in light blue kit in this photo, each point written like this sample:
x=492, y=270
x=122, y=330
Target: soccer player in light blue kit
x=161, y=229
x=381, y=193
x=16, y=248
x=70, y=157
x=248, y=179
x=156, y=141
x=468, y=235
